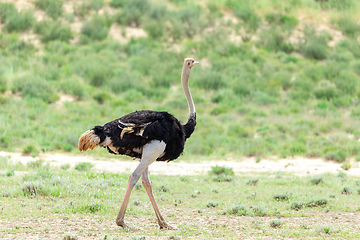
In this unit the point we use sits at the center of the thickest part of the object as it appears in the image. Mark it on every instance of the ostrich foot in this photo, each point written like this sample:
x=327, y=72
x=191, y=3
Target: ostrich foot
x=121, y=223
x=164, y=225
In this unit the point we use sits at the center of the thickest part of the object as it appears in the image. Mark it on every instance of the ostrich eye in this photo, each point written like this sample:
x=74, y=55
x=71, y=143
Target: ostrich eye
x=189, y=63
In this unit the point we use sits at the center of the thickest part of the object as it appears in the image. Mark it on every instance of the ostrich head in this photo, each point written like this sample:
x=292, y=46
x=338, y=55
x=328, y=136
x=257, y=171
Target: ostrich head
x=190, y=62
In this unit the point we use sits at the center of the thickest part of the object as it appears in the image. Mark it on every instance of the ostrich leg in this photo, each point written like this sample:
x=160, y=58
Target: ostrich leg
x=147, y=185
x=151, y=151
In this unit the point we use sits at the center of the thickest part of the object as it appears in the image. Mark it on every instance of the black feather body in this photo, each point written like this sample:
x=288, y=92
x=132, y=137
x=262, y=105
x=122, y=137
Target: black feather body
x=131, y=132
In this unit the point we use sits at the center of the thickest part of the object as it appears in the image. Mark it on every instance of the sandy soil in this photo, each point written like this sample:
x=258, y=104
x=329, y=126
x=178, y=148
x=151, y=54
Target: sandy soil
x=297, y=166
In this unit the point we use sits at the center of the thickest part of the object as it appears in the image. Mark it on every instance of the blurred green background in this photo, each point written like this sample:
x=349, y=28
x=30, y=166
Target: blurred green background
x=277, y=77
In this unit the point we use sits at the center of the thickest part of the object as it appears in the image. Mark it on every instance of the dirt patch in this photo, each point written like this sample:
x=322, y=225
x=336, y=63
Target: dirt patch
x=297, y=166
x=56, y=226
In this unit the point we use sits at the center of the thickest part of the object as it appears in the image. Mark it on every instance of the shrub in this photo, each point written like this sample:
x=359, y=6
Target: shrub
x=20, y=22
x=73, y=87
x=7, y=10
x=348, y=26
x=53, y=8
x=209, y=80
x=336, y=155
x=51, y=31
x=3, y=84
x=276, y=223
x=248, y=15
x=314, y=44
x=282, y=196
x=117, y=3
x=132, y=12
x=34, y=87
x=325, y=90
x=347, y=190
x=316, y=180
x=30, y=150
x=95, y=29
x=259, y=211
x=238, y=209
x=297, y=205
x=222, y=174
x=83, y=166
x=33, y=188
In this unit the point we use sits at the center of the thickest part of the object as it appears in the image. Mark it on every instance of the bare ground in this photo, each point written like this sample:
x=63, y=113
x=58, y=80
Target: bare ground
x=298, y=166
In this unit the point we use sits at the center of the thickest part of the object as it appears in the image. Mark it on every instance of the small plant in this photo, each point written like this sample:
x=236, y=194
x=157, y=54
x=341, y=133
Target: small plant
x=65, y=166
x=346, y=166
x=212, y=204
x=84, y=166
x=238, y=209
x=276, y=223
x=53, y=8
x=316, y=203
x=36, y=164
x=30, y=150
x=282, y=196
x=252, y=182
x=347, y=190
x=33, y=188
x=259, y=211
x=326, y=229
x=222, y=174
x=297, y=205
x=10, y=173
x=22, y=21
x=163, y=188
x=95, y=29
x=316, y=180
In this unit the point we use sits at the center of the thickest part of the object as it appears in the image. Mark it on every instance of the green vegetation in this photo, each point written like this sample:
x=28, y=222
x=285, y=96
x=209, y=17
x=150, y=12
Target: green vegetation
x=63, y=197
x=268, y=84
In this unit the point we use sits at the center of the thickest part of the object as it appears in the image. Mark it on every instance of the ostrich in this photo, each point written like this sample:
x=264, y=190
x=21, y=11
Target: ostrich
x=147, y=135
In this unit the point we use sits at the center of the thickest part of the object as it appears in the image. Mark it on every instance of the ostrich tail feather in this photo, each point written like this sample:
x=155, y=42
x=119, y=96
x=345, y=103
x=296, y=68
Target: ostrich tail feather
x=88, y=139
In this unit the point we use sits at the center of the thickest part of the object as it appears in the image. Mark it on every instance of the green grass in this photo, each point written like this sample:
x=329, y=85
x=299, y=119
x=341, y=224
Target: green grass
x=71, y=195
x=259, y=97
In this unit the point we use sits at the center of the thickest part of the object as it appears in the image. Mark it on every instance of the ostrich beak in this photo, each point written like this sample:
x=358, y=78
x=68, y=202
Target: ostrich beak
x=195, y=62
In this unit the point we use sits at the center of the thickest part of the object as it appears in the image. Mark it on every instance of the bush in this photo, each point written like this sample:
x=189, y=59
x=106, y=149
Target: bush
x=316, y=180
x=222, y=174
x=238, y=209
x=117, y=3
x=314, y=44
x=53, y=8
x=7, y=10
x=276, y=223
x=95, y=29
x=3, y=84
x=336, y=155
x=51, y=31
x=282, y=196
x=132, y=12
x=348, y=26
x=84, y=166
x=20, y=22
x=35, y=87
x=325, y=90
x=33, y=188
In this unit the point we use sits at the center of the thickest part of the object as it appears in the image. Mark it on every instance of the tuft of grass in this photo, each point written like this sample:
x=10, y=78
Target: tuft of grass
x=252, y=182
x=16, y=22
x=238, y=209
x=65, y=166
x=53, y=31
x=346, y=166
x=346, y=190
x=96, y=29
x=282, y=196
x=276, y=223
x=83, y=166
x=222, y=174
x=53, y=8
x=212, y=205
x=33, y=188
x=316, y=180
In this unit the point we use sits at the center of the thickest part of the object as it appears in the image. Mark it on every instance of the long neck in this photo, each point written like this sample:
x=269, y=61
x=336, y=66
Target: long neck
x=185, y=83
